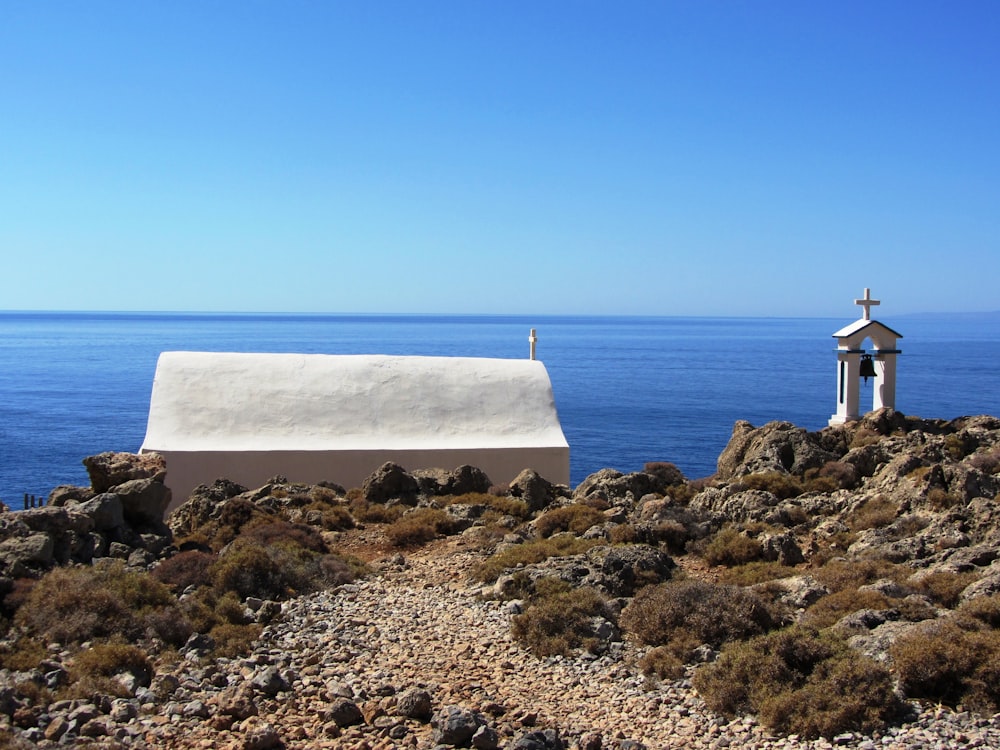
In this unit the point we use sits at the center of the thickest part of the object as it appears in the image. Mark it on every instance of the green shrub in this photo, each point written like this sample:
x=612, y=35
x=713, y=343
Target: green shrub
x=730, y=547
x=572, y=518
x=711, y=613
x=530, y=553
x=419, y=526
x=799, y=681
x=558, y=618
x=951, y=662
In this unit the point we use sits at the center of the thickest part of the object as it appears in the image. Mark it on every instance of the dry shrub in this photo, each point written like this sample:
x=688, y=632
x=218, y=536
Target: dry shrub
x=956, y=662
x=367, y=512
x=982, y=609
x=987, y=462
x=22, y=654
x=189, y=568
x=93, y=670
x=830, y=608
x=945, y=587
x=841, y=574
x=864, y=436
x=753, y=573
x=844, y=474
x=530, y=553
x=800, y=681
x=419, y=526
x=782, y=486
x=268, y=533
x=559, y=618
x=105, y=600
x=663, y=663
x=730, y=547
x=940, y=499
x=711, y=613
x=575, y=519
x=873, y=513
x=233, y=640
x=666, y=472
x=501, y=503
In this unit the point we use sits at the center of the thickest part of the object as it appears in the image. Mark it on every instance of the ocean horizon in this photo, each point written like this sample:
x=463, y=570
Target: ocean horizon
x=628, y=389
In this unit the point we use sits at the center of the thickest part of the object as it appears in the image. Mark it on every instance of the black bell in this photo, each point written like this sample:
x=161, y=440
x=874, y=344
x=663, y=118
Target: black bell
x=867, y=367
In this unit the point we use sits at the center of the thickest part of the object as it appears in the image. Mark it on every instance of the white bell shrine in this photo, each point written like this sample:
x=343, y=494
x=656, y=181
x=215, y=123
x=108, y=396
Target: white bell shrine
x=854, y=363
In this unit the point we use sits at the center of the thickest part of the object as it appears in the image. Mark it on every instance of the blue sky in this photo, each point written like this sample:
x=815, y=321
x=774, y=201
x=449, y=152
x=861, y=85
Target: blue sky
x=662, y=158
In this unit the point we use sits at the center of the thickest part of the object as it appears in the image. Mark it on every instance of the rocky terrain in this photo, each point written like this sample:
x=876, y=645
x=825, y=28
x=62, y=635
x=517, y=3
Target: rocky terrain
x=420, y=623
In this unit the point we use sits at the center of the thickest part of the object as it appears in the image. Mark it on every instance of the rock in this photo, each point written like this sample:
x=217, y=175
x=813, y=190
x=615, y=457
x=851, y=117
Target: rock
x=66, y=494
x=269, y=681
x=34, y=550
x=455, y=726
x=415, y=703
x=462, y=481
x=262, y=737
x=237, y=701
x=390, y=482
x=108, y=470
x=628, y=568
x=775, y=447
x=539, y=740
x=144, y=501
x=105, y=510
x=615, y=488
x=344, y=712
x=534, y=490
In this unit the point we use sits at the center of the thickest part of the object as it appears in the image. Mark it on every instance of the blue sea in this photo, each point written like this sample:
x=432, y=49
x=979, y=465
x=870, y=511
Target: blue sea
x=628, y=389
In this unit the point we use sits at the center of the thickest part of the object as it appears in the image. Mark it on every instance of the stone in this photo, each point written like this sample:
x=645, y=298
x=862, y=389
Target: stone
x=388, y=482
x=110, y=469
x=536, y=491
x=415, y=703
x=269, y=681
x=344, y=712
x=105, y=510
x=262, y=737
x=455, y=726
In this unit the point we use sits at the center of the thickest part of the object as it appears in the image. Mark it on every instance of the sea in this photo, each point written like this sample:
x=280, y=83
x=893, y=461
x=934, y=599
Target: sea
x=628, y=390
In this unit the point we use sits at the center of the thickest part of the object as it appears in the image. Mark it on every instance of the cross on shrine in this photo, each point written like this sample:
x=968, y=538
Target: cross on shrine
x=867, y=303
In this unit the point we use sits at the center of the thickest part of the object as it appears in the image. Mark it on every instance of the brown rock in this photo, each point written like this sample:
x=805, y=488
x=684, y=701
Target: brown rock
x=108, y=470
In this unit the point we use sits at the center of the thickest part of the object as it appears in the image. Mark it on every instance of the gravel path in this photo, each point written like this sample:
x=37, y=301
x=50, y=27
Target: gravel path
x=417, y=625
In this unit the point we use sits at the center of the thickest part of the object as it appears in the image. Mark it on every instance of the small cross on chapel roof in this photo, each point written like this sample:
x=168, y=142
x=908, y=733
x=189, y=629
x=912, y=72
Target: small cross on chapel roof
x=867, y=303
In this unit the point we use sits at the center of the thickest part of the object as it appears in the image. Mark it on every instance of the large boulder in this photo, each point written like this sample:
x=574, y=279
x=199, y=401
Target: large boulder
x=108, y=470
x=144, y=502
x=614, y=487
x=391, y=481
x=534, y=490
x=461, y=481
x=776, y=446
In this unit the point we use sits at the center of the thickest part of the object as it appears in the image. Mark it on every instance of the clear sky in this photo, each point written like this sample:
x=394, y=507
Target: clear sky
x=615, y=157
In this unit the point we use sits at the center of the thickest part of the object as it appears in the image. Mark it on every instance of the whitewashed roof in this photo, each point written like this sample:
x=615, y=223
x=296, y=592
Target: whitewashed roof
x=205, y=401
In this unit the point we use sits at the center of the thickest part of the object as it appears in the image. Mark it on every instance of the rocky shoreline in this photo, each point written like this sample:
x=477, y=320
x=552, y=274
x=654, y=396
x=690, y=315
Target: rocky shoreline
x=419, y=652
